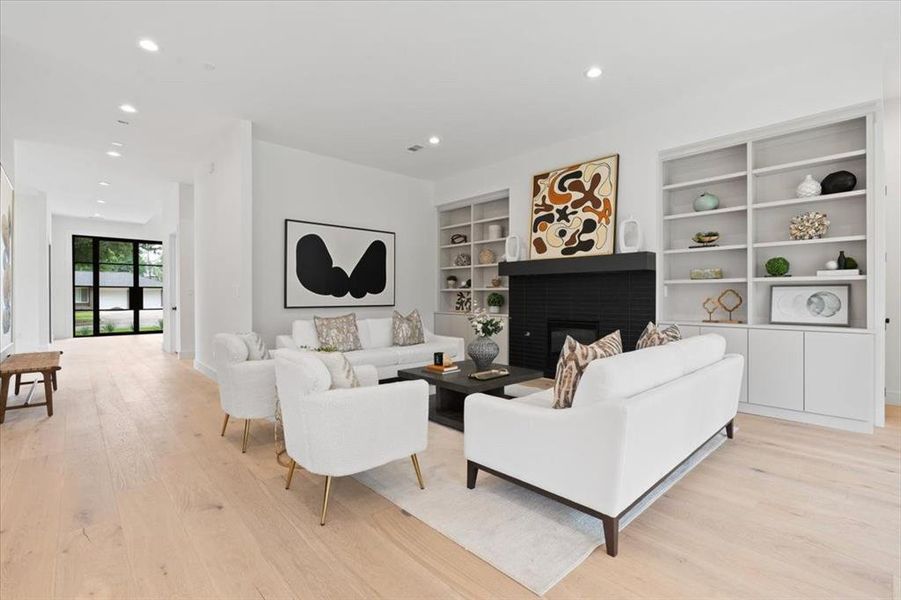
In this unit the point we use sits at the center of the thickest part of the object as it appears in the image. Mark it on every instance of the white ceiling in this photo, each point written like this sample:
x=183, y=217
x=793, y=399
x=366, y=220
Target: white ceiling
x=361, y=81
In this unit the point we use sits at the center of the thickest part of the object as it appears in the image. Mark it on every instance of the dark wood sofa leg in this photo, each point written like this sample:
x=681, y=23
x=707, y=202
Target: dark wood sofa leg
x=730, y=430
x=611, y=534
x=472, y=470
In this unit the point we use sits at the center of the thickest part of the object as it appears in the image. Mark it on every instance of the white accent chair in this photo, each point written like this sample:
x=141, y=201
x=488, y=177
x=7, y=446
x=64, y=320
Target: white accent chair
x=345, y=431
x=246, y=387
x=635, y=418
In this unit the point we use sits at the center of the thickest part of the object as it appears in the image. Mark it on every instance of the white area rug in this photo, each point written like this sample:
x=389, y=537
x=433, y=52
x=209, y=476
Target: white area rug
x=532, y=539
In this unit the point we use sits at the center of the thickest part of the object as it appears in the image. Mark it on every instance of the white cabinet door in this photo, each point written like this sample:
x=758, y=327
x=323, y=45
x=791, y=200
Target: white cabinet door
x=838, y=374
x=776, y=368
x=736, y=343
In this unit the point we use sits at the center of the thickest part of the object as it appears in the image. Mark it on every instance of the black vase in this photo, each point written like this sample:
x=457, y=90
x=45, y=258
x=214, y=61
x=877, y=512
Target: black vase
x=838, y=182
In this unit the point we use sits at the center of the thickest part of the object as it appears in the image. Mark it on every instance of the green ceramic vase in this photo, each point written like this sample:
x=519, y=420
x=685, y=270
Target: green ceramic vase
x=706, y=201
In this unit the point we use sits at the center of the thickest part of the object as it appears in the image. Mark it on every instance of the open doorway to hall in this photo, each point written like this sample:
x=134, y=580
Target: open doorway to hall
x=117, y=286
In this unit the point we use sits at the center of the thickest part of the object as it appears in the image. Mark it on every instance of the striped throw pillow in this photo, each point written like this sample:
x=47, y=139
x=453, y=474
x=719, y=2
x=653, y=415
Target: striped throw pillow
x=655, y=336
x=574, y=357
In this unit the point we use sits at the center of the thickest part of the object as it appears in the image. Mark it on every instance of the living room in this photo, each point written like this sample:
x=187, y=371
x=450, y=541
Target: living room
x=413, y=299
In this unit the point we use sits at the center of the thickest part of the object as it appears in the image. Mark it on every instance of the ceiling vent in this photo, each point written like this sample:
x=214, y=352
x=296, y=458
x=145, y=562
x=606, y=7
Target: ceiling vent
x=414, y=148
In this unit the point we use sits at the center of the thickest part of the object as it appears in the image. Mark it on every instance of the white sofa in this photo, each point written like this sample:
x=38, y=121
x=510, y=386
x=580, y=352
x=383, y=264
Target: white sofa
x=345, y=431
x=378, y=349
x=635, y=418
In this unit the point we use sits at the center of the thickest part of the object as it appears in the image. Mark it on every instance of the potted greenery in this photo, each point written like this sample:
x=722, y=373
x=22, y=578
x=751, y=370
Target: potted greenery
x=777, y=266
x=495, y=302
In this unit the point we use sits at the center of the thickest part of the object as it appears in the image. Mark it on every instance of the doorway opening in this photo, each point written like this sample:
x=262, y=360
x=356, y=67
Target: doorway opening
x=117, y=286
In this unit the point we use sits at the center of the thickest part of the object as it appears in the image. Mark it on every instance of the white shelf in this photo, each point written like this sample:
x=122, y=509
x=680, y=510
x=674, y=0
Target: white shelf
x=696, y=323
x=705, y=181
x=460, y=313
x=497, y=241
x=706, y=249
x=810, y=162
x=456, y=289
x=490, y=219
x=706, y=213
x=698, y=281
x=457, y=225
x=455, y=268
x=823, y=198
x=485, y=266
x=476, y=289
x=808, y=278
x=461, y=245
x=834, y=240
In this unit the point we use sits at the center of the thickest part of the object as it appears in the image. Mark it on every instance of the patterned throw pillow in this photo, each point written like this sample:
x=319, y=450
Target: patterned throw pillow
x=342, y=372
x=256, y=349
x=339, y=333
x=574, y=357
x=654, y=336
x=407, y=330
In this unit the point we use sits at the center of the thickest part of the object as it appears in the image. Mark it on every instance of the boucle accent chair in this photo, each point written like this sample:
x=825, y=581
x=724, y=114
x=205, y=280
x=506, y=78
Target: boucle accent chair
x=246, y=387
x=338, y=432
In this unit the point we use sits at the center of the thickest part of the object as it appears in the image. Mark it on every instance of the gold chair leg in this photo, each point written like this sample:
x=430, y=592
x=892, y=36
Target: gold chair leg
x=418, y=472
x=246, y=433
x=290, y=474
x=328, y=488
x=224, y=424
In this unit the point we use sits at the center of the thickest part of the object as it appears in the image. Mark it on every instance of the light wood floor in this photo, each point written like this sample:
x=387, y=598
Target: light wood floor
x=128, y=491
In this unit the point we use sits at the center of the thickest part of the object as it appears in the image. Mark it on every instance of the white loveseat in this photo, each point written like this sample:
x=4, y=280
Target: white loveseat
x=378, y=349
x=635, y=418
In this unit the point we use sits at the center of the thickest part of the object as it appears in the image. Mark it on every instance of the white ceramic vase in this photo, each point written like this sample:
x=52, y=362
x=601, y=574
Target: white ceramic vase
x=808, y=187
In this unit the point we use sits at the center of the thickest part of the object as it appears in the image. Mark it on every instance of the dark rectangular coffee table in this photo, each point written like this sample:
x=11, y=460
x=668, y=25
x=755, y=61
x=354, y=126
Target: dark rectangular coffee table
x=451, y=390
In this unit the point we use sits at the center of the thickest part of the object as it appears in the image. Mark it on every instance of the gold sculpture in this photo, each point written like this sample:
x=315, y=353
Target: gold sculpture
x=730, y=308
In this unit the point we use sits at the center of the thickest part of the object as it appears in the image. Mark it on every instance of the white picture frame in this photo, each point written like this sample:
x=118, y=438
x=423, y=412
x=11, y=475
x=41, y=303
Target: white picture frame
x=337, y=266
x=817, y=304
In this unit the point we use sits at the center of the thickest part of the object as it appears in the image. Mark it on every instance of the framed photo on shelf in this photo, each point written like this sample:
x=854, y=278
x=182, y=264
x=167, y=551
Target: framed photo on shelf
x=818, y=304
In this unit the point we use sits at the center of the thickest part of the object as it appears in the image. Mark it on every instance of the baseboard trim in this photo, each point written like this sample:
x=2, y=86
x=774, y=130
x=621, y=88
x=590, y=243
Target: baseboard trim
x=186, y=354
x=205, y=369
x=893, y=397
x=804, y=417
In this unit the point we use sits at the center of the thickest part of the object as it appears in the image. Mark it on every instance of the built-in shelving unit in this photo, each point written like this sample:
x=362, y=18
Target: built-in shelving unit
x=755, y=175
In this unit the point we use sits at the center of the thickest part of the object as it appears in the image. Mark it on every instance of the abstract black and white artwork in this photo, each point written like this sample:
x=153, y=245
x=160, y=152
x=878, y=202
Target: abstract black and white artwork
x=331, y=265
x=810, y=305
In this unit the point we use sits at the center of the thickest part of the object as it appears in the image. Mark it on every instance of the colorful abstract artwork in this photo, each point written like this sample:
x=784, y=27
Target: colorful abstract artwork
x=574, y=210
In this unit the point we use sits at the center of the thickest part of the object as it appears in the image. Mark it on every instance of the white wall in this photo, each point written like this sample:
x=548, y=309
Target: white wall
x=184, y=344
x=31, y=294
x=893, y=250
x=223, y=197
x=63, y=228
x=295, y=184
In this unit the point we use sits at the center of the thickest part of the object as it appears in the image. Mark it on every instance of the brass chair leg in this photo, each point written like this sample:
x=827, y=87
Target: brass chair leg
x=328, y=488
x=246, y=433
x=418, y=472
x=290, y=474
x=224, y=424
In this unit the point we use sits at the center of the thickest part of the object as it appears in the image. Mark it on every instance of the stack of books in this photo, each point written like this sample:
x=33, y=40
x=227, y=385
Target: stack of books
x=838, y=273
x=443, y=369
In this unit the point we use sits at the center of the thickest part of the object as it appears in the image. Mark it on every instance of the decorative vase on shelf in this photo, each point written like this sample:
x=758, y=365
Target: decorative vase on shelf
x=482, y=350
x=706, y=201
x=809, y=187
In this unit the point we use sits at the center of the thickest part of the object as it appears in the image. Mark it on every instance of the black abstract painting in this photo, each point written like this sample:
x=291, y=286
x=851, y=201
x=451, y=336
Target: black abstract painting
x=331, y=265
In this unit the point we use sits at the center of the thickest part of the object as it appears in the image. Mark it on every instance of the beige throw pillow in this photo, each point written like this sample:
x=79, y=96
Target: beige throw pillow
x=339, y=333
x=655, y=336
x=407, y=330
x=342, y=372
x=574, y=357
x=256, y=349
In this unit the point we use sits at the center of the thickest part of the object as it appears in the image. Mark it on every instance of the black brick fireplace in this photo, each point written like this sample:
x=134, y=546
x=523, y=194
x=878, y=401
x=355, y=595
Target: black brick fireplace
x=585, y=297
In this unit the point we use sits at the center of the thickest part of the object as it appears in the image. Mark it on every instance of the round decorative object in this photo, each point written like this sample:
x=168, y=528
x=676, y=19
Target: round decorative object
x=512, y=248
x=629, y=235
x=495, y=232
x=487, y=256
x=831, y=265
x=729, y=301
x=809, y=187
x=777, y=266
x=706, y=238
x=458, y=238
x=838, y=182
x=808, y=226
x=706, y=201
x=482, y=350
x=462, y=260
x=850, y=263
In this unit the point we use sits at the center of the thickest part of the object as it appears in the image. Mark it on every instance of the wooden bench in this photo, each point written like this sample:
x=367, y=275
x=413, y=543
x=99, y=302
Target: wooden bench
x=45, y=363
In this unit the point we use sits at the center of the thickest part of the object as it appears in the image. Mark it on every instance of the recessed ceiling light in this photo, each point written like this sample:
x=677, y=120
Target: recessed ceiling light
x=128, y=108
x=148, y=45
x=101, y=202
x=593, y=72
x=434, y=140
x=104, y=183
x=117, y=144
x=113, y=153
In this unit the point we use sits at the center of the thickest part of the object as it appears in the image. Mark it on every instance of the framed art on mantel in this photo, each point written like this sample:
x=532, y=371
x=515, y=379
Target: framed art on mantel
x=573, y=210
x=336, y=266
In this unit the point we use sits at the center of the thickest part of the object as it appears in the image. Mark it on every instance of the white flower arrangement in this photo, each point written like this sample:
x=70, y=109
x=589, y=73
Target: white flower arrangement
x=485, y=325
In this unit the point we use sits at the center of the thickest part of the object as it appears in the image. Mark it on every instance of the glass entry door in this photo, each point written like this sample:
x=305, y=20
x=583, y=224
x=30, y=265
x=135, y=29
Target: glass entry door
x=117, y=285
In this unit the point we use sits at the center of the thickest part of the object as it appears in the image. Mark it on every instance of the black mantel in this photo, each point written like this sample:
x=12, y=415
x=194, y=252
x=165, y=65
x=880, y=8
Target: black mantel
x=612, y=292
